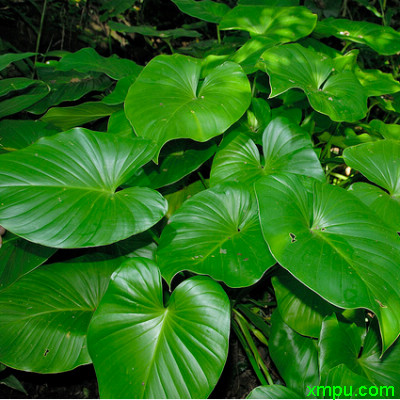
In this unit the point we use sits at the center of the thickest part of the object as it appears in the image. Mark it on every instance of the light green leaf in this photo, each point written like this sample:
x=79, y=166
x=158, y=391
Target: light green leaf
x=283, y=24
x=339, y=95
x=61, y=191
x=18, y=257
x=7, y=59
x=376, y=82
x=286, y=148
x=168, y=100
x=329, y=241
x=118, y=124
x=87, y=59
x=147, y=30
x=143, y=348
x=383, y=39
x=17, y=134
x=205, y=10
x=295, y=356
x=120, y=91
x=69, y=117
x=269, y=3
x=45, y=314
x=379, y=162
x=216, y=232
x=274, y=392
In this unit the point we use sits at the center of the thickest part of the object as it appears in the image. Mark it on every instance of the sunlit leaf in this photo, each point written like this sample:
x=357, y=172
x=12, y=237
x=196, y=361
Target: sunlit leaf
x=205, y=10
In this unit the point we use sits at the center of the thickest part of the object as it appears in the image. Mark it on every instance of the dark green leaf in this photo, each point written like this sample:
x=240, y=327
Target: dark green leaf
x=329, y=241
x=168, y=100
x=144, y=349
x=6, y=59
x=45, y=314
x=205, y=10
x=216, y=232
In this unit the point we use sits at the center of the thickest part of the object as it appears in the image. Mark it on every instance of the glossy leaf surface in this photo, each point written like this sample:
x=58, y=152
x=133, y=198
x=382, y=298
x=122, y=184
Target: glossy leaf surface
x=339, y=95
x=168, y=101
x=302, y=309
x=18, y=257
x=205, y=10
x=295, y=356
x=66, y=197
x=45, y=314
x=383, y=39
x=216, y=232
x=143, y=349
x=286, y=148
x=329, y=241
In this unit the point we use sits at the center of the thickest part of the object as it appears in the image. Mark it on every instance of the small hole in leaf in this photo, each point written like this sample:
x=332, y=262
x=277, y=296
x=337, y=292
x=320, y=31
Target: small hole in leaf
x=238, y=229
x=292, y=237
x=46, y=352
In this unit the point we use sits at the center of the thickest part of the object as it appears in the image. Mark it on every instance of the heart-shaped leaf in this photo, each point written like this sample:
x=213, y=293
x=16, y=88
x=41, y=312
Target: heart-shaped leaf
x=216, y=232
x=383, y=39
x=168, y=100
x=18, y=257
x=379, y=162
x=65, y=196
x=302, y=309
x=46, y=313
x=274, y=392
x=342, y=344
x=205, y=10
x=329, y=241
x=87, y=59
x=142, y=348
x=339, y=95
x=286, y=148
x=295, y=356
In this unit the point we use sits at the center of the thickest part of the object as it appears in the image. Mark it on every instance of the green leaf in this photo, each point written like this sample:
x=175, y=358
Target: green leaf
x=295, y=356
x=18, y=257
x=7, y=59
x=329, y=241
x=69, y=117
x=342, y=344
x=274, y=392
x=119, y=125
x=301, y=309
x=23, y=100
x=46, y=313
x=387, y=207
x=205, y=10
x=147, y=30
x=339, y=95
x=67, y=86
x=168, y=100
x=142, y=348
x=383, y=39
x=377, y=83
x=216, y=232
x=61, y=191
x=12, y=84
x=286, y=148
x=17, y=134
x=12, y=382
x=378, y=161
x=177, y=160
x=87, y=59
x=283, y=24
x=112, y=8
x=269, y=3
x=387, y=131
x=120, y=91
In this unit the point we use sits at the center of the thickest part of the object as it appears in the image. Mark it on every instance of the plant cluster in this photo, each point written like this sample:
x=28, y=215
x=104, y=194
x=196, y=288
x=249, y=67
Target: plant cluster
x=265, y=160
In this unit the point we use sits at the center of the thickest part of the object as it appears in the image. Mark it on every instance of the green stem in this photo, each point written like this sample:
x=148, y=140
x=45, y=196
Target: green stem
x=218, y=35
x=39, y=36
x=203, y=181
x=169, y=45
